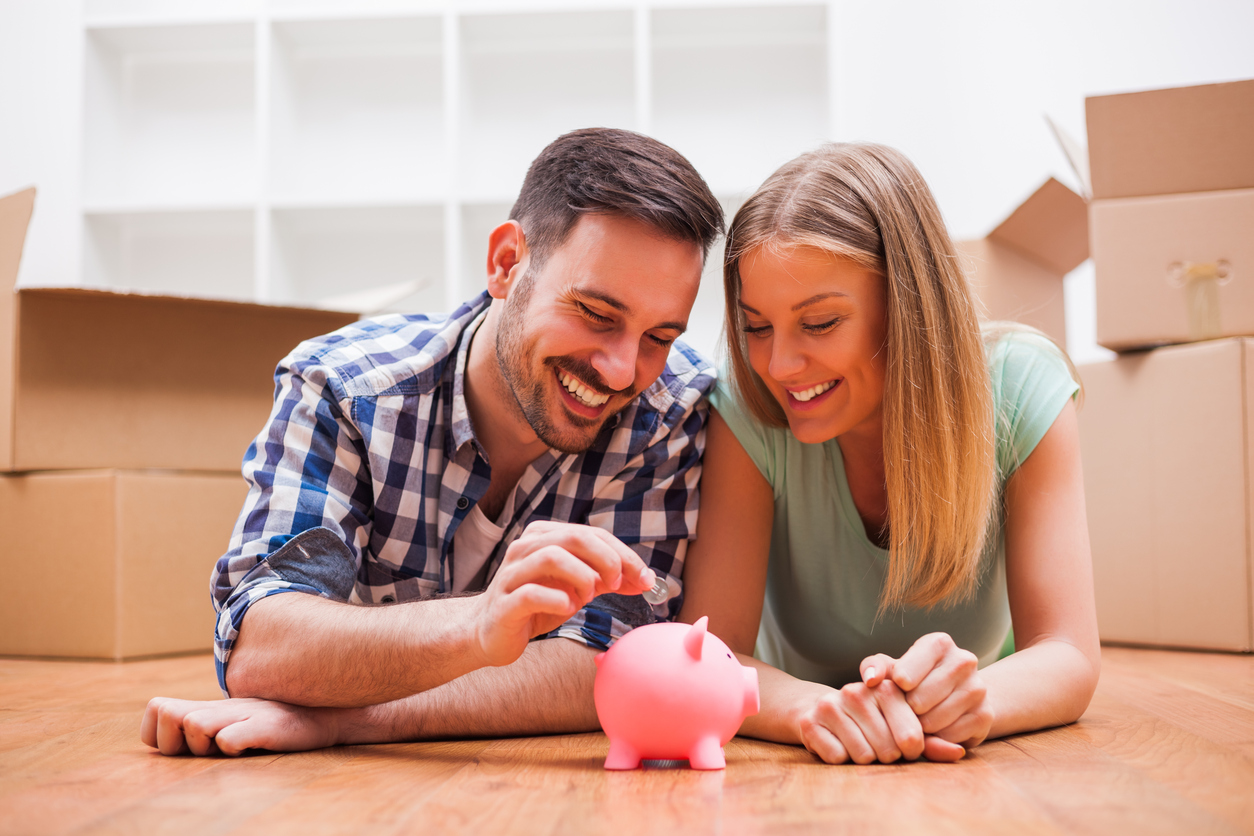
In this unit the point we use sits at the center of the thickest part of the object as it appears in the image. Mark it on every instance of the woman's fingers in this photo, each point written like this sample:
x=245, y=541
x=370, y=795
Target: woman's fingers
x=919, y=661
x=821, y=742
x=862, y=706
x=966, y=699
x=942, y=751
x=954, y=673
x=903, y=724
x=875, y=669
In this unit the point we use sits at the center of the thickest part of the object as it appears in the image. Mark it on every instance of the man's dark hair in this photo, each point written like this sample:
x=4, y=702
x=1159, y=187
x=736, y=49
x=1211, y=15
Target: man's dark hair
x=614, y=172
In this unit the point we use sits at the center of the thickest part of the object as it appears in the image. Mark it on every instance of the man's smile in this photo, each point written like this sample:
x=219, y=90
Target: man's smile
x=581, y=399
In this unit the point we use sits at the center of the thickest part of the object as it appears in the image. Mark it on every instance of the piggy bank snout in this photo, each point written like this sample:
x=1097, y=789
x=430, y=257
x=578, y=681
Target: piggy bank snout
x=752, y=701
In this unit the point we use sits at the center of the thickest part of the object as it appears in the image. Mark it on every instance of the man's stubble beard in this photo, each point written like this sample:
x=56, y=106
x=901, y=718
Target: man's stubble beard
x=515, y=357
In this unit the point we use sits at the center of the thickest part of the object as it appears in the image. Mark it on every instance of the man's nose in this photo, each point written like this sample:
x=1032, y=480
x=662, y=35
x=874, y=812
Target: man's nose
x=616, y=362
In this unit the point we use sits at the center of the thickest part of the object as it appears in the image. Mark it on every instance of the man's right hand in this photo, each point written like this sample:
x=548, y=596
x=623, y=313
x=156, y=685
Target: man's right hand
x=548, y=574
x=177, y=727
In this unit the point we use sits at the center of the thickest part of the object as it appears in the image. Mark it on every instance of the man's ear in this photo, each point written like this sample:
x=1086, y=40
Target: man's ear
x=507, y=254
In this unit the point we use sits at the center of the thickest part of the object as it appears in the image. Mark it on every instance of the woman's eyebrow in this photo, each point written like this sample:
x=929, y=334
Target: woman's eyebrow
x=818, y=297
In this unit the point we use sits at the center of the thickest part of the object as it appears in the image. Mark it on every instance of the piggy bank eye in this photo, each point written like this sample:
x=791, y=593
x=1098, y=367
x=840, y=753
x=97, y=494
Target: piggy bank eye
x=729, y=656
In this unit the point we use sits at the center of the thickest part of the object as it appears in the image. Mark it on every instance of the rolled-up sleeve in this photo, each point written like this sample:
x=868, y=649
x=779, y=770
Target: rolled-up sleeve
x=307, y=515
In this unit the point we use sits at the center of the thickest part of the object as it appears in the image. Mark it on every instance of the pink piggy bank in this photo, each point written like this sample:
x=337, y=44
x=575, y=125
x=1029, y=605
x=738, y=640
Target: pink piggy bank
x=672, y=692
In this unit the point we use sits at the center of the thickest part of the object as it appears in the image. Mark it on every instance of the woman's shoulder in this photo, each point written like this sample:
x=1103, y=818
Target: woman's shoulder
x=1032, y=379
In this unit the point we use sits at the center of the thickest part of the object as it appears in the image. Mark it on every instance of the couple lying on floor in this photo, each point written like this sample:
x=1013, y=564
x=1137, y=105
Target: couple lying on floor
x=863, y=500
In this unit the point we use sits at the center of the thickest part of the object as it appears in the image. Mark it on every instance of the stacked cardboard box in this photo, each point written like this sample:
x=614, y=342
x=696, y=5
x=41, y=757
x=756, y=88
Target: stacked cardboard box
x=123, y=419
x=1018, y=268
x=1167, y=429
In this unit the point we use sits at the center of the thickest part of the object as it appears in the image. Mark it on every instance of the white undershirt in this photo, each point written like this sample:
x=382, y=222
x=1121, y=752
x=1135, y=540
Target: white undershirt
x=473, y=543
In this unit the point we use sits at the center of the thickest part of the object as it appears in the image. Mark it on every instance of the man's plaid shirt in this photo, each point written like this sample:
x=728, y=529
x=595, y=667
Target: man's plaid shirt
x=369, y=463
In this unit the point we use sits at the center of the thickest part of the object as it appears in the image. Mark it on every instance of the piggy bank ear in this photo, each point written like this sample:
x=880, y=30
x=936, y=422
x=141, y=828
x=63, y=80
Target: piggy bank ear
x=695, y=638
x=598, y=659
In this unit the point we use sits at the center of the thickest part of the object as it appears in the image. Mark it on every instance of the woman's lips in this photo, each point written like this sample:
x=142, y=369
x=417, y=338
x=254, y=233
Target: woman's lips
x=824, y=392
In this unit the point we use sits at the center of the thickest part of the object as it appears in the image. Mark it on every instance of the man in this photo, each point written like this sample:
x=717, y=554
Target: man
x=443, y=490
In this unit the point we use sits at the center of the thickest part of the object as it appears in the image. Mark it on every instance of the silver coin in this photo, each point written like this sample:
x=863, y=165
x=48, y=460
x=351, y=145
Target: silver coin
x=659, y=593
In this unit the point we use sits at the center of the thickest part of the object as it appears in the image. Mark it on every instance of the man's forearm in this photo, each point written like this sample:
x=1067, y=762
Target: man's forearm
x=547, y=691
x=301, y=649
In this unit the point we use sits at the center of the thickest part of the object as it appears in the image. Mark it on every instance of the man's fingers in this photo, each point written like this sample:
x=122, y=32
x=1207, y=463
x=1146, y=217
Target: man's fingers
x=634, y=568
x=875, y=669
x=169, y=726
x=201, y=726
x=553, y=566
x=942, y=751
x=534, y=599
x=606, y=554
x=917, y=662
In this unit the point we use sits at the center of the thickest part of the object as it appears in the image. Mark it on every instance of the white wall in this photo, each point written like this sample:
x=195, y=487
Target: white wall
x=40, y=71
x=960, y=87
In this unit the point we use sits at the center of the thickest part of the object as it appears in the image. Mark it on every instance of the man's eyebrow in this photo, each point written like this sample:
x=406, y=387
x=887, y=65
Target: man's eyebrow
x=622, y=307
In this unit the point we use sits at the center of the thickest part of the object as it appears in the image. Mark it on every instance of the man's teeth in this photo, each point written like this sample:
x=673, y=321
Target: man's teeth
x=582, y=393
x=813, y=391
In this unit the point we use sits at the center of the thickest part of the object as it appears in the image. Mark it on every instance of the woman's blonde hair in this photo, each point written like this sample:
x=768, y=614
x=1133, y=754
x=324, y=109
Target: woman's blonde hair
x=868, y=203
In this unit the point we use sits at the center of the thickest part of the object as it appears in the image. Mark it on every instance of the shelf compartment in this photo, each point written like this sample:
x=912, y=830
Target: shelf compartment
x=740, y=90
x=358, y=110
x=169, y=114
x=525, y=79
x=187, y=253
x=321, y=254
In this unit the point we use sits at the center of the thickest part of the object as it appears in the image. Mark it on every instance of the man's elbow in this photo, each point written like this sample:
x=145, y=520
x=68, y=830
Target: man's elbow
x=245, y=676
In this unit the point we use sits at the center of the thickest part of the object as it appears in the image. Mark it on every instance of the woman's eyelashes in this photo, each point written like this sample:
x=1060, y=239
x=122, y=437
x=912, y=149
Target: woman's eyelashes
x=821, y=327
x=809, y=327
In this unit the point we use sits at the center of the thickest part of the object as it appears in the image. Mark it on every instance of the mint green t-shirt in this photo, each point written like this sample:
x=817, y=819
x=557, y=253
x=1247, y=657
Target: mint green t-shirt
x=825, y=576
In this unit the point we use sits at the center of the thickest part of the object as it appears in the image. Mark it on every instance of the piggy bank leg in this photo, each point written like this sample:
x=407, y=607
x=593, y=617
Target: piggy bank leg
x=707, y=754
x=622, y=756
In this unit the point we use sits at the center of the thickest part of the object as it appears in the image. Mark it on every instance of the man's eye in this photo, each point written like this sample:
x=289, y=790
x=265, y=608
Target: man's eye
x=663, y=342
x=591, y=314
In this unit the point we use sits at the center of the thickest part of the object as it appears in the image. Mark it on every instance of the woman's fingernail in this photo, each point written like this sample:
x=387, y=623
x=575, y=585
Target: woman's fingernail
x=870, y=674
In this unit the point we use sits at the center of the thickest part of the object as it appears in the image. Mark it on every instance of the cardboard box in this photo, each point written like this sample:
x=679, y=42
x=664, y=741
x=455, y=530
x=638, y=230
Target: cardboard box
x=103, y=379
x=1018, y=268
x=1167, y=438
x=1171, y=176
x=1174, y=269
x=112, y=564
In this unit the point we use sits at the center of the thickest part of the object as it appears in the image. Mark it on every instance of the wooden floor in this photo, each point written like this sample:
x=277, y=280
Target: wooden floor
x=1166, y=747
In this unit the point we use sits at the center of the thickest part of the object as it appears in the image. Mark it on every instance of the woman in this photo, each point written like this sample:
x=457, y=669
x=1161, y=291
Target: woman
x=915, y=483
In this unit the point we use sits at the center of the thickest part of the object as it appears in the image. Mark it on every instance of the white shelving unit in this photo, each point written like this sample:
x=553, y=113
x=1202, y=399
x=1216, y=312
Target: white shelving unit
x=305, y=150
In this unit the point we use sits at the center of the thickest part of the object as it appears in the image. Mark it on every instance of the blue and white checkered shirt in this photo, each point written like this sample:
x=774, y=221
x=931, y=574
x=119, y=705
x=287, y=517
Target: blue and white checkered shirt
x=368, y=465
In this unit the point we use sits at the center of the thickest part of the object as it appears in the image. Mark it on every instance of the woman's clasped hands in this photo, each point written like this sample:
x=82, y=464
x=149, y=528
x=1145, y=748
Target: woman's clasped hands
x=929, y=703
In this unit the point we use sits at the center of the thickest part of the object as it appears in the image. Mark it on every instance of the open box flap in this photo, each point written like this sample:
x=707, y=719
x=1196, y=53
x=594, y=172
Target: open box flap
x=1051, y=227
x=15, y=213
x=1173, y=141
x=1076, y=155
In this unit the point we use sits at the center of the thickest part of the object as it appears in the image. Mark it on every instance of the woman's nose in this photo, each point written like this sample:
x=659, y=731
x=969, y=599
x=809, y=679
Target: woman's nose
x=786, y=360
